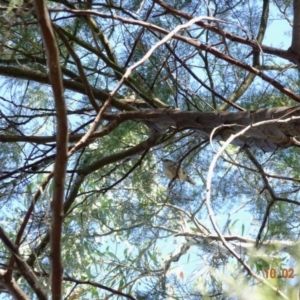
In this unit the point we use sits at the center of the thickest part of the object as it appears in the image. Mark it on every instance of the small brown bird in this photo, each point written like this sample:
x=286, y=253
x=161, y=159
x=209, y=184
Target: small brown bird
x=171, y=170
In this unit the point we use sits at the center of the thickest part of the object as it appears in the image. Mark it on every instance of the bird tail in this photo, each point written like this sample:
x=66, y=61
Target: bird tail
x=191, y=181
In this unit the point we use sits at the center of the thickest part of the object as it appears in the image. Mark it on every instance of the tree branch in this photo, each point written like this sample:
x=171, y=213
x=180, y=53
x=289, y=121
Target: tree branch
x=61, y=158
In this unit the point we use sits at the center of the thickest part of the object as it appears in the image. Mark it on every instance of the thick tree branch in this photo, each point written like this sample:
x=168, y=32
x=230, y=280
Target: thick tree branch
x=23, y=267
x=270, y=136
x=11, y=285
x=295, y=46
x=61, y=159
x=37, y=251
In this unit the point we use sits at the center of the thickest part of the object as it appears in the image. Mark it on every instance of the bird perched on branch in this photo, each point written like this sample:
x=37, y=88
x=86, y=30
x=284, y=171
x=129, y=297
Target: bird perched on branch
x=172, y=171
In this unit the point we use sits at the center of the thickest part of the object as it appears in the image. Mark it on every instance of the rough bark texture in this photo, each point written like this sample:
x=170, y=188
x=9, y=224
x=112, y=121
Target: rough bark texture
x=270, y=129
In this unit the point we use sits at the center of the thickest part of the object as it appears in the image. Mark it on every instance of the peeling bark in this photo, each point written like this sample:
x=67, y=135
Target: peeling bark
x=277, y=129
